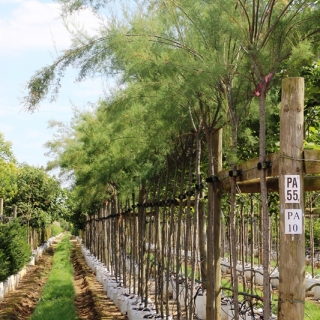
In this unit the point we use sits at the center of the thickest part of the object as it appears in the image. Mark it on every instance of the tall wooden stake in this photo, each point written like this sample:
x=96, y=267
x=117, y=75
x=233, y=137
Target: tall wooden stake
x=292, y=240
x=213, y=283
x=217, y=154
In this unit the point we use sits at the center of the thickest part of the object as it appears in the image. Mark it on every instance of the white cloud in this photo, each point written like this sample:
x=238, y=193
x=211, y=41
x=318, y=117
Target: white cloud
x=28, y=30
x=37, y=25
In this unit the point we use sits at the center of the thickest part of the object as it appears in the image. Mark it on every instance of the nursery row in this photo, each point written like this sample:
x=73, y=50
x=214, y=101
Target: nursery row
x=137, y=307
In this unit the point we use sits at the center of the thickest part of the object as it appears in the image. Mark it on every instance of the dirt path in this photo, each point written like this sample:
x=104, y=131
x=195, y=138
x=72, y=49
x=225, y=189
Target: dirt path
x=19, y=304
x=91, y=302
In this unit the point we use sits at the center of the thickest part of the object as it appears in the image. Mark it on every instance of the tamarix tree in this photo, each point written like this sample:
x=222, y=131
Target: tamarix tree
x=183, y=67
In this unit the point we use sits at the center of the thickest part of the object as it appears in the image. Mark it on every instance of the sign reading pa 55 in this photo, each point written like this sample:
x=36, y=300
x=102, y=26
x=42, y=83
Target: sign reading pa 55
x=292, y=188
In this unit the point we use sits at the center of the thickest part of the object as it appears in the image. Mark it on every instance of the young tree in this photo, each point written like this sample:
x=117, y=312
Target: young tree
x=271, y=32
x=37, y=198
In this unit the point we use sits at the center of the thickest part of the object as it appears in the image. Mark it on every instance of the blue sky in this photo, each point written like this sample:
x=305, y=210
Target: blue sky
x=31, y=34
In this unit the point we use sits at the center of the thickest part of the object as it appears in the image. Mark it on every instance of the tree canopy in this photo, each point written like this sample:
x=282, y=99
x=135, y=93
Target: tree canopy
x=183, y=69
x=179, y=66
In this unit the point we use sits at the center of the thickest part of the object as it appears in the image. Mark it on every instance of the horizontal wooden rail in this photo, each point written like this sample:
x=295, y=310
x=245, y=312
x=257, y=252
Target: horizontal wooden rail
x=248, y=173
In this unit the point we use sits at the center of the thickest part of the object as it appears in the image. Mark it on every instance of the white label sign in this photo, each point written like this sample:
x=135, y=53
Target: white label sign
x=293, y=221
x=292, y=188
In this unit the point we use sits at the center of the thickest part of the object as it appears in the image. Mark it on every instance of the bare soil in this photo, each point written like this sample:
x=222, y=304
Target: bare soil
x=91, y=301
x=19, y=304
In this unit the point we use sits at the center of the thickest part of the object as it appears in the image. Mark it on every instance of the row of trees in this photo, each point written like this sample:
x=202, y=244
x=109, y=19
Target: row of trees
x=183, y=71
x=30, y=201
x=174, y=79
x=31, y=195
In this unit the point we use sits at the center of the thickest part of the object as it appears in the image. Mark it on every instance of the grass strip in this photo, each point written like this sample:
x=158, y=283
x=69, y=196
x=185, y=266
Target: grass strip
x=57, y=298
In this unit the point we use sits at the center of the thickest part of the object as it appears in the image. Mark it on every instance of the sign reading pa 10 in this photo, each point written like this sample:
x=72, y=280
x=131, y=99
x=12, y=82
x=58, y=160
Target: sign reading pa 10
x=293, y=221
x=292, y=188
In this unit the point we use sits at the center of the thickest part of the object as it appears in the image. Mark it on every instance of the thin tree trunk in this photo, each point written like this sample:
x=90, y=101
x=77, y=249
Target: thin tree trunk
x=178, y=241
x=311, y=237
x=264, y=206
x=148, y=243
x=166, y=277
x=188, y=227
x=198, y=192
x=134, y=256
x=233, y=226
x=141, y=225
x=169, y=238
x=252, y=242
x=242, y=236
x=233, y=248
x=158, y=250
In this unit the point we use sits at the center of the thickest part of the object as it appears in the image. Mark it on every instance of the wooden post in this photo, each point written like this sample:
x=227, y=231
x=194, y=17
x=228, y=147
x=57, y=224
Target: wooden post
x=213, y=283
x=311, y=244
x=104, y=233
x=87, y=235
x=217, y=154
x=99, y=245
x=1, y=206
x=15, y=210
x=292, y=239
